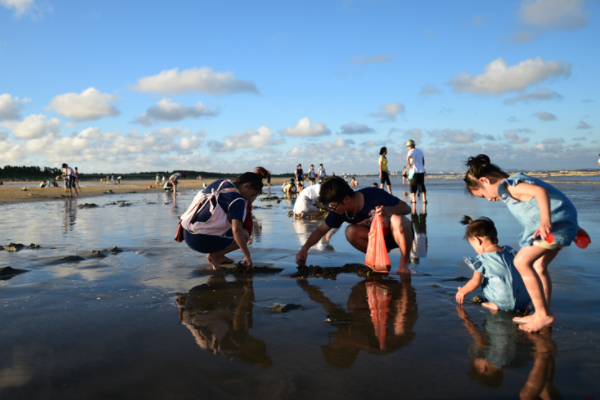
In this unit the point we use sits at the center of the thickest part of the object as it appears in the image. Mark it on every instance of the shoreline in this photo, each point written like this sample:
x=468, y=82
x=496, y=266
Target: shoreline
x=15, y=193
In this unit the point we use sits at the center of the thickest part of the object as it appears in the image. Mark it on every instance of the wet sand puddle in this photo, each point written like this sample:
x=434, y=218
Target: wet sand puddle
x=149, y=320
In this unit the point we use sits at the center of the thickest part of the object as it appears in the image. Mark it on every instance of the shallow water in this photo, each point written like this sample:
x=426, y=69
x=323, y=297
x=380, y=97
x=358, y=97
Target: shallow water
x=152, y=322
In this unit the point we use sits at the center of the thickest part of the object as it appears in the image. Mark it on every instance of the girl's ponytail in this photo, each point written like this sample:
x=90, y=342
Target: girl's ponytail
x=479, y=167
x=482, y=227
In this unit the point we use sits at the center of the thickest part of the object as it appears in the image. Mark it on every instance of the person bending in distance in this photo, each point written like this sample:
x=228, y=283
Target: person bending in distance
x=357, y=209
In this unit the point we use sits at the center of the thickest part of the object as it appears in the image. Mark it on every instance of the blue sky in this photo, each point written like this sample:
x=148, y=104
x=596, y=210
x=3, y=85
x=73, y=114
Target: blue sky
x=225, y=86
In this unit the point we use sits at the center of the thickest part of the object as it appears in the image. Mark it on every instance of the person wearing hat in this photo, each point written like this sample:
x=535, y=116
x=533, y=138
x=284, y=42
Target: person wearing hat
x=416, y=160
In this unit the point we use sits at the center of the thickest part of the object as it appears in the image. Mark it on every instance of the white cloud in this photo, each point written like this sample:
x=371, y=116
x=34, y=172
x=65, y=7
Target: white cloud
x=553, y=14
x=166, y=110
x=583, y=125
x=249, y=139
x=190, y=142
x=459, y=135
x=22, y=7
x=498, y=78
x=352, y=128
x=545, y=116
x=366, y=60
x=553, y=141
x=10, y=107
x=428, y=90
x=514, y=138
x=34, y=126
x=305, y=128
x=203, y=80
x=580, y=138
x=389, y=111
x=90, y=105
x=537, y=95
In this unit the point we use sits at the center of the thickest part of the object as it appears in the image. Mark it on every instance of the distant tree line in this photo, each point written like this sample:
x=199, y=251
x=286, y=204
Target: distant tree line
x=34, y=173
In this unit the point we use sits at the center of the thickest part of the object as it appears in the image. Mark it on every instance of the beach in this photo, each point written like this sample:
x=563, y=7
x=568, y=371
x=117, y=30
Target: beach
x=110, y=305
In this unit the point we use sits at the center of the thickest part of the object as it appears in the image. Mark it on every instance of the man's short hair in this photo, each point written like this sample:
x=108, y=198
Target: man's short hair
x=335, y=189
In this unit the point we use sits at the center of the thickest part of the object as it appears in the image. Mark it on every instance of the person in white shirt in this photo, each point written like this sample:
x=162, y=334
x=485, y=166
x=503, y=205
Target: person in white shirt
x=69, y=176
x=307, y=204
x=416, y=160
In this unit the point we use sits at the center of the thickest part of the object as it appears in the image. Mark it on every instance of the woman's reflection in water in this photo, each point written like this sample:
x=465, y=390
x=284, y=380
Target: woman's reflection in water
x=500, y=344
x=380, y=319
x=219, y=315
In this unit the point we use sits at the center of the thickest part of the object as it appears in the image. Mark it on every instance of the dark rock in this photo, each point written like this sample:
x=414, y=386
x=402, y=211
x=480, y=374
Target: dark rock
x=457, y=279
x=290, y=214
x=9, y=272
x=13, y=247
x=33, y=246
x=240, y=268
x=478, y=299
x=97, y=254
x=269, y=198
x=277, y=201
x=123, y=204
x=114, y=250
x=87, y=205
x=281, y=308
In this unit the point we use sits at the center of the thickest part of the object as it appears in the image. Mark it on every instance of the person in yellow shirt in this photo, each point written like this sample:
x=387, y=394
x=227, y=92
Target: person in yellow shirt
x=384, y=174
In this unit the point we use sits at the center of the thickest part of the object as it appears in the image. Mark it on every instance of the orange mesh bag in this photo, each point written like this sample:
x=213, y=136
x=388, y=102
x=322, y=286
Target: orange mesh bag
x=379, y=297
x=377, y=257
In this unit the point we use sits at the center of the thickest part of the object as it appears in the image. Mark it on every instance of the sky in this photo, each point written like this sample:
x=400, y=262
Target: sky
x=132, y=86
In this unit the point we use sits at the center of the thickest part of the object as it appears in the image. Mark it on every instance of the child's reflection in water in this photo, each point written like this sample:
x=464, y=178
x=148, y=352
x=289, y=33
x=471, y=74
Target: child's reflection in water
x=219, y=315
x=380, y=319
x=500, y=344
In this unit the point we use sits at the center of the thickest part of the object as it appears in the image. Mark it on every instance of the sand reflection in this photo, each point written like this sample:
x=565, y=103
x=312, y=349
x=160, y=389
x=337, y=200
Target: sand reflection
x=219, y=316
x=380, y=319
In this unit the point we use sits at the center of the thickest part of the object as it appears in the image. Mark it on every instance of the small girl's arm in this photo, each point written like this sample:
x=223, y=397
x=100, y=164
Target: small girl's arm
x=525, y=192
x=469, y=287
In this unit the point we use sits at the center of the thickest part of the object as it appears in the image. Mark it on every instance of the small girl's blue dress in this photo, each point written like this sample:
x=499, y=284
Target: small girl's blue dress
x=502, y=284
x=563, y=214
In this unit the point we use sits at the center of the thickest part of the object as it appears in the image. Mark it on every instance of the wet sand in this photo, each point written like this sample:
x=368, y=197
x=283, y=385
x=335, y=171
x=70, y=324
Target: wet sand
x=152, y=321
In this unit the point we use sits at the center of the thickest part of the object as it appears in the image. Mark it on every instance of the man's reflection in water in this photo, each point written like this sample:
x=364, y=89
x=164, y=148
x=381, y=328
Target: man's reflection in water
x=219, y=315
x=500, y=344
x=69, y=215
x=419, y=245
x=173, y=208
x=380, y=319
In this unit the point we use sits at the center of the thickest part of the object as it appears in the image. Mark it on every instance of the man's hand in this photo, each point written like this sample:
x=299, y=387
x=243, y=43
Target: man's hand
x=301, y=256
x=382, y=210
x=248, y=262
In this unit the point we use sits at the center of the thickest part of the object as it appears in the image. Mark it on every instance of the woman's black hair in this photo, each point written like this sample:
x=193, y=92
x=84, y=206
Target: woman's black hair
x=334, y=189
x=479, y=167
x=482, y=227
x=253, y=179
x=382, y=150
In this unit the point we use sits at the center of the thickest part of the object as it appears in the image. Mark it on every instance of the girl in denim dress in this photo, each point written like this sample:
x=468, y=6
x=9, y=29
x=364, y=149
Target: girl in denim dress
x=493, y=269
x=542, y=210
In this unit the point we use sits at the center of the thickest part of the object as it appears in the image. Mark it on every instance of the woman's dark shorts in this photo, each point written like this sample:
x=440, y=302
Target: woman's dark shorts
x=385, y=178
x=207, y=243
x=418, y=182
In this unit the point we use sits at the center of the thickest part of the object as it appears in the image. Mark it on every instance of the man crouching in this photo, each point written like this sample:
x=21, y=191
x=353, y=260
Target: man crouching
x=357, y=209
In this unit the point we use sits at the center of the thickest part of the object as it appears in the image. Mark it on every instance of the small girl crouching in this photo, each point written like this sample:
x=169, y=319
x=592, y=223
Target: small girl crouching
x=493, y=269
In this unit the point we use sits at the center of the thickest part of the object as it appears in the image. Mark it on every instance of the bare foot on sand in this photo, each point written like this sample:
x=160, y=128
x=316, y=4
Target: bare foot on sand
x=538, y=323
x=404, y=267
x=213, y=261
x=226, y=260
x=522, y=320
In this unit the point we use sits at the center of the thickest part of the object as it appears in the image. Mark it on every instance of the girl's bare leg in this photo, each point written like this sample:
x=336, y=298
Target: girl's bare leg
x=541, y=268
x=524, y=262
x=389, y=188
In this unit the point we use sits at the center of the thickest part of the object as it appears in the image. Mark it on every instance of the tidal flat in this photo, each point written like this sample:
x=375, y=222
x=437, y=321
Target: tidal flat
x=150, y=320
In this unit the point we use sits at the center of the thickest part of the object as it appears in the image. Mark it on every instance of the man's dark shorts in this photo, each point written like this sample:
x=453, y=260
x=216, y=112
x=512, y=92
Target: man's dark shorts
x=418, y=183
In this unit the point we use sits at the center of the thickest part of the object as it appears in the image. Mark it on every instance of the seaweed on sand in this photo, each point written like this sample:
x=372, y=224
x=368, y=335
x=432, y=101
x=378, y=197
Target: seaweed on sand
x=316, y=271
